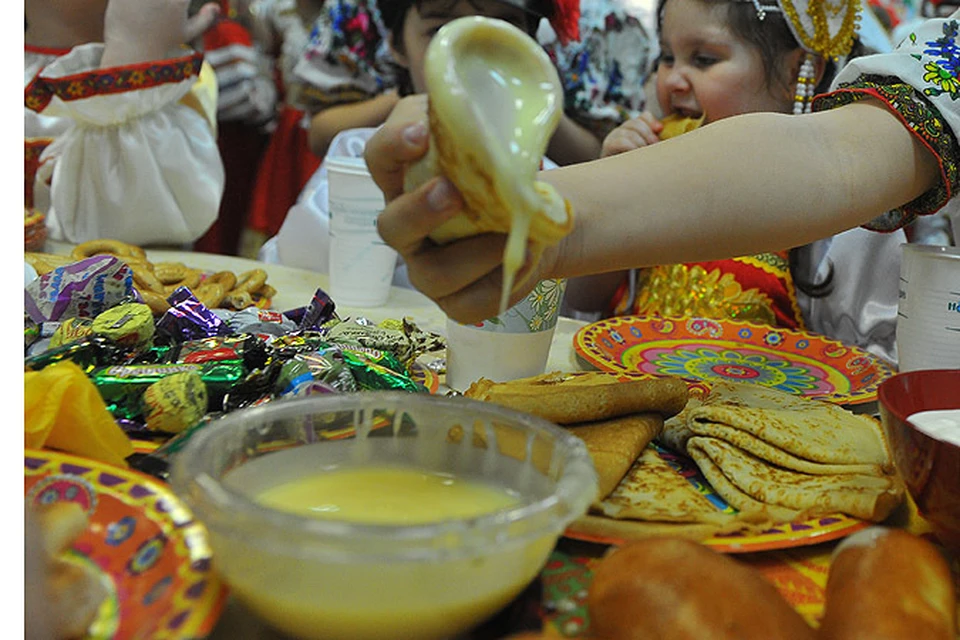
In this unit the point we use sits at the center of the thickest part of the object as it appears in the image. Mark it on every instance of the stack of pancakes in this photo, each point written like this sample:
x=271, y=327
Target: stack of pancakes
x=773, y=457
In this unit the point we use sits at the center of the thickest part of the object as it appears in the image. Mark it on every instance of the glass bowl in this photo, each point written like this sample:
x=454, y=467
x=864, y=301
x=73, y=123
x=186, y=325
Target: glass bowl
x=328, y=578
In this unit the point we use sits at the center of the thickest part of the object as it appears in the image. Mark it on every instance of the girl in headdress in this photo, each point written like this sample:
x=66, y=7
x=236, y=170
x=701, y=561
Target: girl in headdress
x=721, y=58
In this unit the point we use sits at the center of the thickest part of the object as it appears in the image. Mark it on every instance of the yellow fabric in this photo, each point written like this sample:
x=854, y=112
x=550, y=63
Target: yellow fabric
x=63, y=410
x=203, y=96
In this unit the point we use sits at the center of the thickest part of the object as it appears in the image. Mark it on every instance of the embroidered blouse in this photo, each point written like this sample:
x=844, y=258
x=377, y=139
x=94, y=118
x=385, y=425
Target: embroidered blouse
x=603, y=73
x=127, y=152
x=919, y=82
x=347, y=58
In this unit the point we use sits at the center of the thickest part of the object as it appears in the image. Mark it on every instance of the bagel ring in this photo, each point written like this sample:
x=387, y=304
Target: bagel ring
x=210, y=294
x=191, y=280
x=238, y=299
x=157, y=303
x=105, y=246
x=227, y=279
x=170, y=272
x=250, y=281
x=144, y=279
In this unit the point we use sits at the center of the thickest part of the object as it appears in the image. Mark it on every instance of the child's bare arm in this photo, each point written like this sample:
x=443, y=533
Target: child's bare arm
x=326, y=124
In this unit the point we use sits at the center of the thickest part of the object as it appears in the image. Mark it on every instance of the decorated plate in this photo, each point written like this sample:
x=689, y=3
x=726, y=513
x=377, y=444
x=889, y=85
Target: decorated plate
x=709, y=350
x=149, y=551
x=792, y=534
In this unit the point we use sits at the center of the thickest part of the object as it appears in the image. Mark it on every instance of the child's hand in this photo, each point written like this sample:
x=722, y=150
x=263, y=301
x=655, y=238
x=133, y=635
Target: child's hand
x=639, y=132
x=144, y=30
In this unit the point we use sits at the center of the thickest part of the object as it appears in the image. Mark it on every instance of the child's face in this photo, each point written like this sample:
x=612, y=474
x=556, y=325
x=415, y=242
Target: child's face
x=422, y=24
x=704, y=68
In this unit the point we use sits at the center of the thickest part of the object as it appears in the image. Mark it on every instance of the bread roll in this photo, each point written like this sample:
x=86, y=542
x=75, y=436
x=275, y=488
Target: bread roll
x=888, y=584
x=674, y=589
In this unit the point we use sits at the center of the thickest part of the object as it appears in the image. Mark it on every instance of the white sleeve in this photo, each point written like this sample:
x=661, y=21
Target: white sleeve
x=139, y=162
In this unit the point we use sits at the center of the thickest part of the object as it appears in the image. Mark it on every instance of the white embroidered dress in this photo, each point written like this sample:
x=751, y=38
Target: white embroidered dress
x=127, y=153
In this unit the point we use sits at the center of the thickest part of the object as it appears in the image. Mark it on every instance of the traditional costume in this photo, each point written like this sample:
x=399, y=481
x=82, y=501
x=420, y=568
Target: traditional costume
x=125, y=152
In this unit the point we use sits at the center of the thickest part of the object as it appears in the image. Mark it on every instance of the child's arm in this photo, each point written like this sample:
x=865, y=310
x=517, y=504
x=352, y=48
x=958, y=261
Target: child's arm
x=326, y=124
x=634, y=133
x=136, y=32
x=571, y=143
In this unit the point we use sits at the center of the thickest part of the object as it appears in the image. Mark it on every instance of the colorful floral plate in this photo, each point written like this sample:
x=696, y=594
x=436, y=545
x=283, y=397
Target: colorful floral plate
x=150, y=552
x=793, y=534
x=710, y=350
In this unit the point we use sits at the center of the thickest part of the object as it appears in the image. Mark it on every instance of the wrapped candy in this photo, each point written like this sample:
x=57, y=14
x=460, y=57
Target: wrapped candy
x=82, y=289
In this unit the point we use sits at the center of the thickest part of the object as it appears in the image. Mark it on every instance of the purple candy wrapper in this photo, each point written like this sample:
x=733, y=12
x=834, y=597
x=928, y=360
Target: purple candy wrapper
x=320, y=311
x=188, y=318
x=82, y=289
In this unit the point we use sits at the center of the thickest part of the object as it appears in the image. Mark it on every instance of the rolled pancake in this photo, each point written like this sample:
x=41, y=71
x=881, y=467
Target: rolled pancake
x=753, y=485
x=615, y=444
x=586, y=396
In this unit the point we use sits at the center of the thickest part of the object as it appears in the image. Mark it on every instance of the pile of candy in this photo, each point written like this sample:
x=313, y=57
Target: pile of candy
x=174, y=373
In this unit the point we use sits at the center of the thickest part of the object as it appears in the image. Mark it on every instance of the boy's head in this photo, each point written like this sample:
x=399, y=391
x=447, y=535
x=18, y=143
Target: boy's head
x=412, y=24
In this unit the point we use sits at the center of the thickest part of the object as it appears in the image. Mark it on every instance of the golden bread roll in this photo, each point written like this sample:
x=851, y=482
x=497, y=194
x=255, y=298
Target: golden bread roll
x=674, y=589
x=675, y=125
x=887, y=584
x=615, y=444
x=585, y=396
x=45, y=262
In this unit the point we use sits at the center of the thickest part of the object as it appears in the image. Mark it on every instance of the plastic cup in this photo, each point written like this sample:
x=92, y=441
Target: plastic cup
x=361, y=264
x=515, y=344
x=928, y=315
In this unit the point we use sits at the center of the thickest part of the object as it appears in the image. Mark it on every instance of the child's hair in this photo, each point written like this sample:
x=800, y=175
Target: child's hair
x=394, y=14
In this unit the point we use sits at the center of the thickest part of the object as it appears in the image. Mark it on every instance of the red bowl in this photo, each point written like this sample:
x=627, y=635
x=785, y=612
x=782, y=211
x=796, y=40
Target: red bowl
x=930, y=468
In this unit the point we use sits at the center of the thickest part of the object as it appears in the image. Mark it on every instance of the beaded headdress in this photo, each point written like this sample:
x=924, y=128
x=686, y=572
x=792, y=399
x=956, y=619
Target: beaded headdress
x=823, y=28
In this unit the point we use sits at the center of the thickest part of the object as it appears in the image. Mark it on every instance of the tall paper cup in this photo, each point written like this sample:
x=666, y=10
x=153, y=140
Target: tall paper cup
x=928, y=315
x=513, y=345
x=361, y=264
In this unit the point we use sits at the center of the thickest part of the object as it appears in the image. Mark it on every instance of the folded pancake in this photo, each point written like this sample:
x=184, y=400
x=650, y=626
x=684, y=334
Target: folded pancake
x=653, y=499
x=615, y=444
x=495, y=100
x=750, y=484
x=585, y=396
x=785, y=456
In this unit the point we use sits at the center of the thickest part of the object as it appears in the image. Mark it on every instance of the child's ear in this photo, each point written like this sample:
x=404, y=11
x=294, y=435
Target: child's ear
x=794, y=61
x=397, y=52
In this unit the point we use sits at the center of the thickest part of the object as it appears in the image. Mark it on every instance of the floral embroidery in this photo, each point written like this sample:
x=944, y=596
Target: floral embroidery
x=942, y=73
x=926, y=123
x=42, y=90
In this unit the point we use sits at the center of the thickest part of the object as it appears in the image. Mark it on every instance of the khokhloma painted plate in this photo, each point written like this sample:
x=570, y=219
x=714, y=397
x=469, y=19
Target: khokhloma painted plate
x=150, y=553
x=709, y=350
x=784, y=536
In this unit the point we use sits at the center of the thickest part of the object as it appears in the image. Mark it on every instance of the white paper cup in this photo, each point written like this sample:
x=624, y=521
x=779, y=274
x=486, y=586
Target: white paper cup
x=515, y=344
x=928, y=316
x=361, y=264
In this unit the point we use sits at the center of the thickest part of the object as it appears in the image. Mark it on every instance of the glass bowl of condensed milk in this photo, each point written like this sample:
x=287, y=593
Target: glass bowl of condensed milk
x=920, y=412
x=382, y=514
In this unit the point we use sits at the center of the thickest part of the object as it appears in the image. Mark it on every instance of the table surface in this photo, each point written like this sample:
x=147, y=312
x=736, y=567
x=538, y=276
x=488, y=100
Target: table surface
x=799, y=573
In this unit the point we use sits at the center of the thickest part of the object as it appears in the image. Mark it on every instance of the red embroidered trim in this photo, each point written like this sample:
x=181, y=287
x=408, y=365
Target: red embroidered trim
x=41, y=91
x=31, y=164
x=46, y=51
